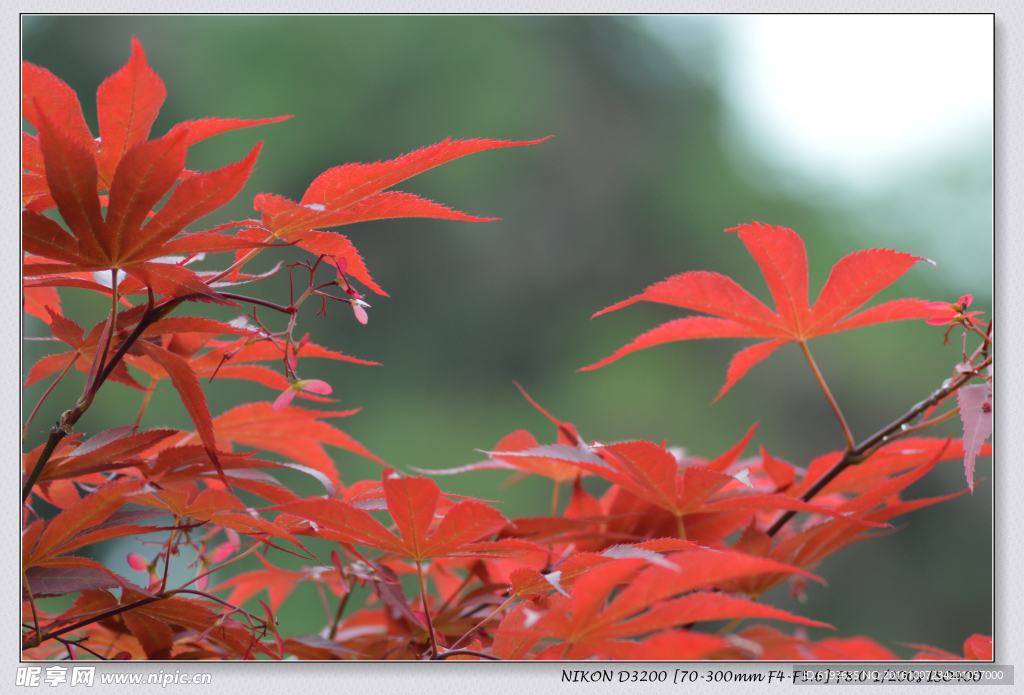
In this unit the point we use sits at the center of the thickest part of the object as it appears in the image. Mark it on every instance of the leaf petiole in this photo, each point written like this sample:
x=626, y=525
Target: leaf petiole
x=828, y=395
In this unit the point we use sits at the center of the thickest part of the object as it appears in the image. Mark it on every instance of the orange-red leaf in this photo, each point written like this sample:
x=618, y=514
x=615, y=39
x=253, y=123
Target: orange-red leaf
x=91, y=510
x=782, y=258
x=192, y=397
x=293, y=432
x=127, y=105
x=195, y=197
x=412, y=503
x=347, y=184
x=42, y=91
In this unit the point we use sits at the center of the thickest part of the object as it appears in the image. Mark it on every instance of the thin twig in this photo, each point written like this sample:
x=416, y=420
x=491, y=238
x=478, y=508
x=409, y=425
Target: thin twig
x=145, y=401
x=259, y=302
x=65, y=425
x=92, y=384
x=220, y=566
x=31, y=601
x=78, y=643
x=451, y=597
x=680, y=527
x=925, y=424
x=337, y=615
x=94, y=619
x=24, y=431
x=167, y=559
x=483, y=622
x=233, y=607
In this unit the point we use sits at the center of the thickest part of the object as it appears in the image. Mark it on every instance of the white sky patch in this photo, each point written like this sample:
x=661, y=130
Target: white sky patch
x=854, y=95
x=886, y=119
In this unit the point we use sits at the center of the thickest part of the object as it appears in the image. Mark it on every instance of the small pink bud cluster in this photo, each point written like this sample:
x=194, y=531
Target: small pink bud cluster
x=294, y=357
x=359, y=307
x=140, y=564
x=952, y=313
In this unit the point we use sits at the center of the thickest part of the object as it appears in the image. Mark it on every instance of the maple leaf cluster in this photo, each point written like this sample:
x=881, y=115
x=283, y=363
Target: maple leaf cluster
x=638, y=572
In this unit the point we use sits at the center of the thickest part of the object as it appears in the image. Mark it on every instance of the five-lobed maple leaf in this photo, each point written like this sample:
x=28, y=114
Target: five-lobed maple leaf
x=662, y=596
x=735, y=313
x=136, y=174
x=413, y=505
x=649, y=472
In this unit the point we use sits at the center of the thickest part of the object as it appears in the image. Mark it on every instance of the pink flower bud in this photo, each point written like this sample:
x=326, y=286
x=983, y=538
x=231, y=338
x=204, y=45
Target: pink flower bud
x=951, y=313
x=138, y=563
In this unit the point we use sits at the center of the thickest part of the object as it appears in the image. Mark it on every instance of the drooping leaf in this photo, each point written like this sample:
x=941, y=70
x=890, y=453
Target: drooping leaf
x=121, y=452
x=192, y=397
x=976, y=414
x=204, y=618
x=153, y=634
x=879, y=504
x=46, y=580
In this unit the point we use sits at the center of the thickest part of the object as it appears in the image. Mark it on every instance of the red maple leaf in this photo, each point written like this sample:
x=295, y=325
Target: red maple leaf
x=293, y=432
x=657, y=598
x=805, y=549
x=648, y=471
x=976, y=648
x=776, y=645
x=279, y=583
x=355, y=193
x=735, y=313
x=69, y=168
x=413, y=505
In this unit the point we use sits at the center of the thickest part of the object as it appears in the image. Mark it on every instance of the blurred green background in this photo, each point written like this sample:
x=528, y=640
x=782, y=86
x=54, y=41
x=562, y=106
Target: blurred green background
x=646, y=169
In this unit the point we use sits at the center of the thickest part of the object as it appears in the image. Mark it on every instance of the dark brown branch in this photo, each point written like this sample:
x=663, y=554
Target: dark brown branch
x=875, y=441
x=65, y=425
x=259, y=302
x=39, y=639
